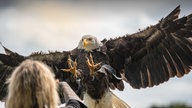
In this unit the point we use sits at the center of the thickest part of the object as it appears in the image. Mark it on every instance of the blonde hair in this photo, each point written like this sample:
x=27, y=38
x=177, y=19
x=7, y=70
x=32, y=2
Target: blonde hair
x=31, y=85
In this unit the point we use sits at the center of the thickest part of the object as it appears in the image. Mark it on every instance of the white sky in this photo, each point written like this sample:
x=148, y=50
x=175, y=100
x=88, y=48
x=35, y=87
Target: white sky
x=41, y=26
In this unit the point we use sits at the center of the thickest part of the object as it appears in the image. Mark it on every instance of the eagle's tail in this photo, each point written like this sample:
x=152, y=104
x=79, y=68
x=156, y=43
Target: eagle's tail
x=119, y=103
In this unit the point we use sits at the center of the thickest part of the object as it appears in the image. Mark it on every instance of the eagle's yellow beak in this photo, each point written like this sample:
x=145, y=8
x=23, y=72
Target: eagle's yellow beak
x=85, y=43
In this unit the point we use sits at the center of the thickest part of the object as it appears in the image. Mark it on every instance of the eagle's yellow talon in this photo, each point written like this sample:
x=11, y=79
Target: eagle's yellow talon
x=72, y=67
x=92, y=66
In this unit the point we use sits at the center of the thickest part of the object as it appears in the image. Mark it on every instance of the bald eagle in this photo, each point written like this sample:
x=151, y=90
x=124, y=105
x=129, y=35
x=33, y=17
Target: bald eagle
x=143, y=59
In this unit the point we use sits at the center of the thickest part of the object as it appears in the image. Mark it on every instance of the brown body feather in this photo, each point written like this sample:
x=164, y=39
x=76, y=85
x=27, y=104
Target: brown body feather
x=92, y=87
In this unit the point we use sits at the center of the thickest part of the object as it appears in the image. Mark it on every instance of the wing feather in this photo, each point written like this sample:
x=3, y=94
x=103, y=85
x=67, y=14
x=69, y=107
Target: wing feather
x=55, y=60
x=5, y=71
x=152, y=56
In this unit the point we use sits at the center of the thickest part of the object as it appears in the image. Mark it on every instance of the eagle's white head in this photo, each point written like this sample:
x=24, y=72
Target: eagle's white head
x=89, y=43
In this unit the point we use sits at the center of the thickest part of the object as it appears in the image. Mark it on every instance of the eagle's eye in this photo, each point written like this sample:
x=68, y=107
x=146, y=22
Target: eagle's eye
x=89, y=39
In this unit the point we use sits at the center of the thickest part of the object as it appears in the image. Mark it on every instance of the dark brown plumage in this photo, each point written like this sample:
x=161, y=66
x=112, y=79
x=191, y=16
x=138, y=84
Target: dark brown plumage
x=146, y=58
x=56, y=60
x=152, y=56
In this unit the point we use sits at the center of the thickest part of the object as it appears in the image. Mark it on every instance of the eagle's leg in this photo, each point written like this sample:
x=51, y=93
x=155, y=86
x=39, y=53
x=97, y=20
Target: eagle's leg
x=92, y=66
x=72, y=67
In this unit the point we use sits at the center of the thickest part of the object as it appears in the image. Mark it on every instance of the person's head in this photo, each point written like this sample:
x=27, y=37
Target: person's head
x=32, y=85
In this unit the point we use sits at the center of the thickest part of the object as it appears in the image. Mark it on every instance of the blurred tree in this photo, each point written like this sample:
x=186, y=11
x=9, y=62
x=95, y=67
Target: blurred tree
x=172, y=105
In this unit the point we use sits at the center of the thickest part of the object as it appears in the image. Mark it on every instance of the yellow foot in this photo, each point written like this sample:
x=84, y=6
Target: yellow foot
x=92, y=66
x=72, y=67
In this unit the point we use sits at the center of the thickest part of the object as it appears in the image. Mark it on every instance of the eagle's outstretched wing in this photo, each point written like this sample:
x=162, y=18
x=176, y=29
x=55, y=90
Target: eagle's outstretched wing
x=55, y=60
x=152, y=56
x=8, y=62
x=5, y=71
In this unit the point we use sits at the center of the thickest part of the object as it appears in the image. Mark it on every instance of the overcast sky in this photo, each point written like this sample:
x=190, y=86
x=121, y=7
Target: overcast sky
x=27, y=27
